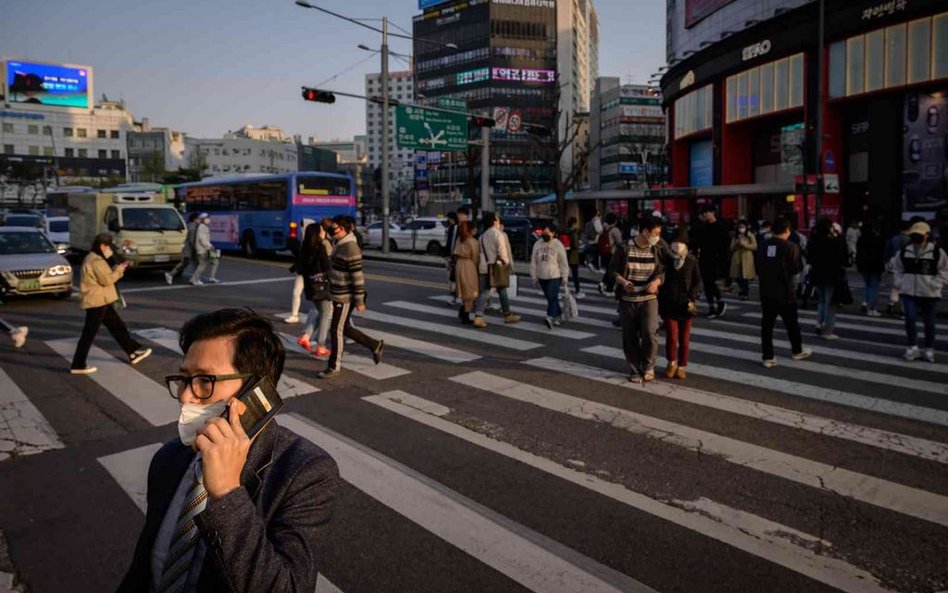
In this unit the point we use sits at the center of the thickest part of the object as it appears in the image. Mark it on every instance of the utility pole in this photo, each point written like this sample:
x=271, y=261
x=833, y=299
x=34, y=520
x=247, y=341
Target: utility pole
x=820, y=90
x=485, y=169
x=385, y=137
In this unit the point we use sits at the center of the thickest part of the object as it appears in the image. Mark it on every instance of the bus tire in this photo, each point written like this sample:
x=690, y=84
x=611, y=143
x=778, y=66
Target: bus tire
x=392, y=245
x=434, y=248
x=248, y=245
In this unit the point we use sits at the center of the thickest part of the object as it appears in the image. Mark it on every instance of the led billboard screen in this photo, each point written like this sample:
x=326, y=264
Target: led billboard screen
x=47, y=84
x=426, y=4
x=695, y=10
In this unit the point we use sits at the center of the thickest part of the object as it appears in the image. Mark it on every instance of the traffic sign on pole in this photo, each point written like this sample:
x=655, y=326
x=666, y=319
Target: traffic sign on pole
x=430, y=130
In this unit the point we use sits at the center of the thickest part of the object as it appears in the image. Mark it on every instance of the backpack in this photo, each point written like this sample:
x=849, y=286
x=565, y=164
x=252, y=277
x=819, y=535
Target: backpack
x=603, y=243
x=564, y=239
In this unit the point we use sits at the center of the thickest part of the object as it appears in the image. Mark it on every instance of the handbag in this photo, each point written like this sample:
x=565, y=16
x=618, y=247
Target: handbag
x=568, y=306
x=498, y=273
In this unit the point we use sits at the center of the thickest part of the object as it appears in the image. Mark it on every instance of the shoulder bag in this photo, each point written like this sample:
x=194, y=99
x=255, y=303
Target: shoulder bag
x=498, y=273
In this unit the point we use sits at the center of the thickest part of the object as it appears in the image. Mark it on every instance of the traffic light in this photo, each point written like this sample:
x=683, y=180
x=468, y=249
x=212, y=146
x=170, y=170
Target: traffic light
x=310, y=94
x=481, y=122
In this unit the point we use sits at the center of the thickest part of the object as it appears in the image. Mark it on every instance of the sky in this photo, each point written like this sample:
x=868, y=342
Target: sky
x=205, y=67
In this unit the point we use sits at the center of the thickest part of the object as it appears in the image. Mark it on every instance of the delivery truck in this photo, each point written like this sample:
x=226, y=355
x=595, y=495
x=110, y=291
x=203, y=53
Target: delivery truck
x=148, y=232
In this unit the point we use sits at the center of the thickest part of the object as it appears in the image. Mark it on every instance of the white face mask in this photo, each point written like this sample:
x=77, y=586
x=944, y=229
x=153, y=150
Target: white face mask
x=653, y=240
x=194, y=417
x=107, y=253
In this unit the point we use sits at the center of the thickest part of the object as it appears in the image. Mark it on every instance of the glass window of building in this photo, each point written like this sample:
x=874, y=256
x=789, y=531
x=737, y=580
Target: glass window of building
x=32, y=129
x=895, y=56
x=103, y=153
x=34, y=150
x=742, y=95
x=116, y=154
x=48, y=151
x=47, y=130
x=101, y=133
x=940, y=46
x=781, y=70
x=67, y=132
x=8, y=149
x=919, y=50
x=855, y=65
x=753, y=92
x=796, y=80
x=7, y=128
x=114, y=134
x=767, y=88
x=70, y=152
x=83, y=153
x=81, y=132
x=875, y=60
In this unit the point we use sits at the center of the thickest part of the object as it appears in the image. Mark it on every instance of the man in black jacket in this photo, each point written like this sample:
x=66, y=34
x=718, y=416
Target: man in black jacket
x=713, y=244
x=226, y=512
x=778, y=261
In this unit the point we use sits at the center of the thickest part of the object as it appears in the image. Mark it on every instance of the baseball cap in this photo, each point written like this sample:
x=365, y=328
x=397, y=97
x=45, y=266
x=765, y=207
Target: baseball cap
x=920, y=228
x=203, y=215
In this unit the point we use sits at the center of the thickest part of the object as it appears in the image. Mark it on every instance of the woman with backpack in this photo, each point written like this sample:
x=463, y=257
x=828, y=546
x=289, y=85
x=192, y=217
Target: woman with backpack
x=678, y=305
x=313, y=264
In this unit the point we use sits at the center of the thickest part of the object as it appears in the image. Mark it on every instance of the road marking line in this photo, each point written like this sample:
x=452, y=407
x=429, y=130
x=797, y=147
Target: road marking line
x=139, y=392
x=868, y=489
x=583, y=307
x=454, y=332
x=529, y=558
x=129, y=469
x=352, y=362
x=887, y=331
x=523, y=325
x=187, y=285
x=882, y=439
x=844, y=316
x=168, y=339
x=429, y=349
x=581, y=320
x=23, y=428
x=896, y=349
x=824, y=569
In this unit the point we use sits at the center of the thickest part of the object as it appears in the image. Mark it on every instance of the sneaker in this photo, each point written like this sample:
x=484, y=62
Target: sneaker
x=377, y=353
x=304, y=343
x=818, y=329
x=557, y=322
x=864, y=309
x=139, y=355
x=873, y=313
x=671, y=369
x=549, y=322
x=213, y=281
x=770, y=363
x=712, y=313
x=680, y=374
x=169, y=279
x=579, y=296
x=913, y=353
x=829, y=337
x=602, y=288
x=292, y=319
x=83, y=371
x=591, y=267
x=322, y=353
x=802, y=355
x=511, y=318
x=722, y=308
x=197, y=283
x=479, y=323
x=18, y=335
x=929, y=355
x=326, y=374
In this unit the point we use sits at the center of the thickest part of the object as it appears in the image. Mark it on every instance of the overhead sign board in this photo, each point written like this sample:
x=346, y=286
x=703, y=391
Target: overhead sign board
x=452, y=103
x=426, y=129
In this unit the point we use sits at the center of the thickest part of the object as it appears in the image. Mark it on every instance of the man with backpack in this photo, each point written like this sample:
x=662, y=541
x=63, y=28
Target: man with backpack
x=921, y=270
x=609, y=240
x=591, y=233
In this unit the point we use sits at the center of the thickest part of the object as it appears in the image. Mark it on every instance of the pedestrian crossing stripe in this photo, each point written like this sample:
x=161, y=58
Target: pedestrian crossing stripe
x=581, y=320
x=859, y=327
x=352, y=362
x=23, y=428
x=454, y=332
x=842, y=315
x=772, y=547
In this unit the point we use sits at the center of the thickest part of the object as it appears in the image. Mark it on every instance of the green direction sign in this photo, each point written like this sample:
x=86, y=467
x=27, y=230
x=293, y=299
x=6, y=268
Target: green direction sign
x=452, y=103
x=425, y=129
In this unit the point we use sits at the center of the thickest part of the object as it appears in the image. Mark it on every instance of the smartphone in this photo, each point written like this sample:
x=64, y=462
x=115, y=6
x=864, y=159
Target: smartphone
x=263, y=403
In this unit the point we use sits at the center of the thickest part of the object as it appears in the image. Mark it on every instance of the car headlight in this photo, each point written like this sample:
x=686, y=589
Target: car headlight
x=61, y=270
x=129, y=247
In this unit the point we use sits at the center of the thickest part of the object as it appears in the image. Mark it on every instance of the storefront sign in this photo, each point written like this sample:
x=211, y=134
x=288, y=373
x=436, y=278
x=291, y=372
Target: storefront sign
x=527, y=3
x=20, y=115
x=884, y=9
x=831, y=183
x=754, y=51
x=860, y=127
x=523, y=75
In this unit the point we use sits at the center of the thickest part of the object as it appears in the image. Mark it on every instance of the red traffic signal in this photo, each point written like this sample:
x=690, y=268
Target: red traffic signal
x=482, y=122
x=310, y=94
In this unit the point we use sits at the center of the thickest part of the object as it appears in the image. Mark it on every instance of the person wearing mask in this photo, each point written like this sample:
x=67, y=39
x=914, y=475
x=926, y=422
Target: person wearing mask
x=467, y=253
x=229, y=512
x=639, y=278
x=677, y=305
x=572, y=253
x=591, y=233
x=205, y=252
x=493, y=252
x=778, y=263
x=314, y=265
x=97, y=287
x=188, y=256
x=892, y=247
x=921, y=271
x=450, y=236
x=765, y=232
x=549, y=269
x=826, y=252
x=347, y=291
x=610, y=240
x=743, y=250
x=870, y=262
x=712, y=241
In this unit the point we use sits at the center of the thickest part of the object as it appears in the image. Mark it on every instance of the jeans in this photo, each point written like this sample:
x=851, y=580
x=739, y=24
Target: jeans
x=574, y=272
x=95, y=317
x=825, y=309
x=551, y=289
x=480, y=304
x=204, y=260
x=788, y=313
x=608, y=278
x=870, y=294
x=297, y=296
x=677, y=340
x=323, y=310
x=912, y=306
x=340, y=329
x=744, y=285
x=640, y=334
x=709, y=281
x=182, y=266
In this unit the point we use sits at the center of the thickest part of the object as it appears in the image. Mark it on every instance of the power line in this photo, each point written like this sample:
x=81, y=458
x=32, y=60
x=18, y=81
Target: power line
x=335, y=76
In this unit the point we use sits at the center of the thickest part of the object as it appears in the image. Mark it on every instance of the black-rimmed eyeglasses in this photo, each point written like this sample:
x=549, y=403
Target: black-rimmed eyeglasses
x=202, y=386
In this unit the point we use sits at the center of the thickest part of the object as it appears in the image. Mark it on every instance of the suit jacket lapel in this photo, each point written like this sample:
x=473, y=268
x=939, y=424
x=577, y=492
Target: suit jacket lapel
x=259, y=458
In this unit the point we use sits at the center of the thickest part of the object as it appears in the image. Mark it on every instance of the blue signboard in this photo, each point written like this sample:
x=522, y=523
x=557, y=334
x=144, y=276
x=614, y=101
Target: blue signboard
x=47, y=84
x=700, y=165
x=629, y=168
x=426, y=4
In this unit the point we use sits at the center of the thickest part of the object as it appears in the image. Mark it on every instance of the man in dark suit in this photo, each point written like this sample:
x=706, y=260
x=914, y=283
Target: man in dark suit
x=227, y=513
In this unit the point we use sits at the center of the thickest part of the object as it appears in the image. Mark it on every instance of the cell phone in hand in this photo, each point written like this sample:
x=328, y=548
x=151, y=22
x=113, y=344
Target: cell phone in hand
x=262, y=402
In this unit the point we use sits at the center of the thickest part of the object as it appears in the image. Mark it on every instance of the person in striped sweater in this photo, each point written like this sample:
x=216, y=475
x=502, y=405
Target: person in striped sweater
x=638, y=278
x=347, y=290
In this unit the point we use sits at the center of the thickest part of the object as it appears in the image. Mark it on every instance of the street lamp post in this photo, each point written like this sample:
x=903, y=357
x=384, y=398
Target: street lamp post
x=385, y=137
x=819, y=112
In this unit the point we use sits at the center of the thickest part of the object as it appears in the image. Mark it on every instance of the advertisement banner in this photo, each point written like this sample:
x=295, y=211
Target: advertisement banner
x=695, y=10
x=924, y=156
x=47, y=84
x=700, y=166
x=224, y=228
x=308, y=200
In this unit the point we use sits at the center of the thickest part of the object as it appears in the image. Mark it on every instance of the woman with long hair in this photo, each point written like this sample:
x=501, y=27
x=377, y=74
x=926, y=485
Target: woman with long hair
x=98, y=291
x=827, y=255
x=313, y=264
x=467, y=255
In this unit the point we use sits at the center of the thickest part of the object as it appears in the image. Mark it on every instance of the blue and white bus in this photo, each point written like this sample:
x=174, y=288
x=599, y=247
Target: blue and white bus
x=267, y=212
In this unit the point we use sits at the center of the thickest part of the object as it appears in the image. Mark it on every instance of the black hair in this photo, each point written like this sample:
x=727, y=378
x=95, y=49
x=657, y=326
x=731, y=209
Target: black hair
x=572, y=220
x=257, y=348
x=610, y=218
x=100, y=240
x=708, y=209
x=649, y=222
x=487, y=219
x=553, y=228
x=780, y=226
x=192, y=217
x=453, y=216
x=310, y=238
x=464, y=210
x=346, y=222
x=823, y=227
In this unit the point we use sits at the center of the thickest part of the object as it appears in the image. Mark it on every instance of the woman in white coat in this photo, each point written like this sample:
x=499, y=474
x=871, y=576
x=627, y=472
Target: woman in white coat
x=549, y=268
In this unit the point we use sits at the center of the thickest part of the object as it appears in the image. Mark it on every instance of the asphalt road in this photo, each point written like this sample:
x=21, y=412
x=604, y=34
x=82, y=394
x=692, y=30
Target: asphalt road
x=512, y=458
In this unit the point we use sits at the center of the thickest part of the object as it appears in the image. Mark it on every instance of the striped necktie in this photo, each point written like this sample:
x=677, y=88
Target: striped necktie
x=186, y=537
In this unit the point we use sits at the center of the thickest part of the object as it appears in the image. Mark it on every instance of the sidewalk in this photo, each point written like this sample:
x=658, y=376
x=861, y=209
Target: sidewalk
x=587, y=276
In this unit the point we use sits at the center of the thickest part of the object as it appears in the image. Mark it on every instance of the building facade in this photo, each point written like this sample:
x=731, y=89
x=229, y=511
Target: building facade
x=577, y=58
x=235, y=154
x=627, y=136
x=347, y=151
x=743, y=109
x=401, y=87
x=314, y=158
x=153, y=152
x=504, y=67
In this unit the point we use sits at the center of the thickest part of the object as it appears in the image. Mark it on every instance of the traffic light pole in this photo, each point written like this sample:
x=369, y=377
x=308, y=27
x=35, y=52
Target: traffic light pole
x=385, y=137
x=820, y=104
x=485, y=169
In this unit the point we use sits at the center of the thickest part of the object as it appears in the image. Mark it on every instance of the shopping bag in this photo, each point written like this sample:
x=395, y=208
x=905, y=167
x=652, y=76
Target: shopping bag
x=568, y=306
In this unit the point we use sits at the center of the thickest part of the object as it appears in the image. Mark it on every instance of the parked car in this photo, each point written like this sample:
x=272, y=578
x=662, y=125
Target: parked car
x=523, y=233
x=372, y=235
x=29, y=263
x=24, y=219
x=428, y=234
x=57, y=231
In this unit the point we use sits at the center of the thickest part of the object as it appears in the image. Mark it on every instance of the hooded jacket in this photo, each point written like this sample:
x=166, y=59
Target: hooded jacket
x=920, y=271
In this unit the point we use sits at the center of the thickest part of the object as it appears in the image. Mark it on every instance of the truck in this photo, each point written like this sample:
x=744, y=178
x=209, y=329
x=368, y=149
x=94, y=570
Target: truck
x=148, y=232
